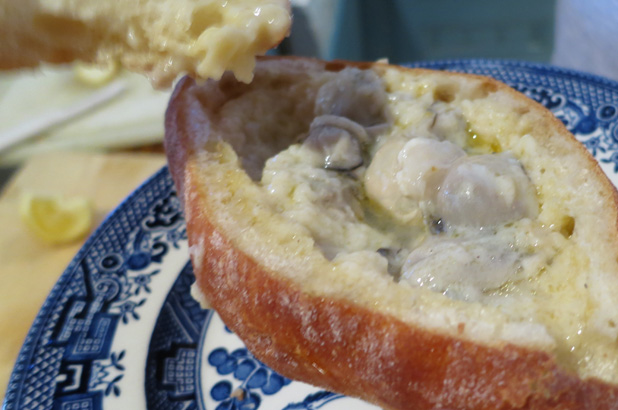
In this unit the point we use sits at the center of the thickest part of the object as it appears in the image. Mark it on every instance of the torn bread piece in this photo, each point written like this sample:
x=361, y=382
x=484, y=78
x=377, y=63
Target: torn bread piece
x=160, y=38
x=415, y=238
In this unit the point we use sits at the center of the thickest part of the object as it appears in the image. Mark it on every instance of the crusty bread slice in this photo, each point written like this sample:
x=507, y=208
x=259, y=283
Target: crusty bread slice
x=160, y=38
x=329, y=311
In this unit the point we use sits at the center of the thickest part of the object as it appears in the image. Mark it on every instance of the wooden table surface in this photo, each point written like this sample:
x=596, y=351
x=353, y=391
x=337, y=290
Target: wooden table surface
x=29, y=268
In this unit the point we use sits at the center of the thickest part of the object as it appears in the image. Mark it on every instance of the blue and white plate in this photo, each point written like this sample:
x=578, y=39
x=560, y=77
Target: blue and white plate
x=121, y=331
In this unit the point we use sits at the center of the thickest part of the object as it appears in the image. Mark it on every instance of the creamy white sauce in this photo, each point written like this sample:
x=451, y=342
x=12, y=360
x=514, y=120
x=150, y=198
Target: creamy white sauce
x=441, y=218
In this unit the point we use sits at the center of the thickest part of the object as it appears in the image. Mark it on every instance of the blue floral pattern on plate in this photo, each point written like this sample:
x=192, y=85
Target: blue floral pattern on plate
x=120, y=330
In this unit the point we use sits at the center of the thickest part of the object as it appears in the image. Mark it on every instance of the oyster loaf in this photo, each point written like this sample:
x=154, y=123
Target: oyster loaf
x=418, y=239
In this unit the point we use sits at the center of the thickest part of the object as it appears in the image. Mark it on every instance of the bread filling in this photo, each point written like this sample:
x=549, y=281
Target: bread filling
x=444, y=215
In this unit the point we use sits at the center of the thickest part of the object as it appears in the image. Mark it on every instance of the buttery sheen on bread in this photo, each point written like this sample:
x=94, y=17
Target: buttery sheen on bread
x=159, y=38
x=418, y=239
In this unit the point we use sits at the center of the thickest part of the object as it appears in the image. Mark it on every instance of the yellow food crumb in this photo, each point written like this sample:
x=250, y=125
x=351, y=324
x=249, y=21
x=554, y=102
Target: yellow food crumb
x=56, y=219
x=95, y=75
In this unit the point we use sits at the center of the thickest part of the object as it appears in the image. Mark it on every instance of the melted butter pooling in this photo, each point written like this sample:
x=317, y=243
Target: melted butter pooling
x=426, y=202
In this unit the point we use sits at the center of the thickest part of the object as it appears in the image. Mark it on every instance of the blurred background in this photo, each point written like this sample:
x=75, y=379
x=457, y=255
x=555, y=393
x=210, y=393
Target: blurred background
x=577, y=34
x=412, y=30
